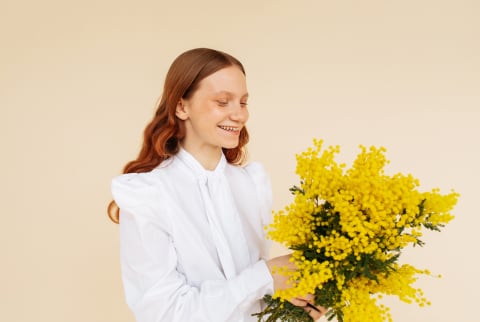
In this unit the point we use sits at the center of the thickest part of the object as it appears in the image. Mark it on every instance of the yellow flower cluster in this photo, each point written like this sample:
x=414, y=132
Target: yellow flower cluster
x=360, y=303
x=308, y=276
x=347, y=228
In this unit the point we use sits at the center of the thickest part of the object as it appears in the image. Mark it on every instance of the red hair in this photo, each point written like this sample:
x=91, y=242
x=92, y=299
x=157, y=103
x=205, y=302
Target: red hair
x=163, y=134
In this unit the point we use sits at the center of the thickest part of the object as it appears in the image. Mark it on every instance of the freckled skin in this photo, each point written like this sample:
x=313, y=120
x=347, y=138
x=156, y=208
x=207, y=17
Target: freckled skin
x=215, y=114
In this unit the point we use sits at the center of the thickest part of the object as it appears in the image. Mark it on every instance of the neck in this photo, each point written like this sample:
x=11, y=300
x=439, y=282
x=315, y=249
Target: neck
x=207, y=157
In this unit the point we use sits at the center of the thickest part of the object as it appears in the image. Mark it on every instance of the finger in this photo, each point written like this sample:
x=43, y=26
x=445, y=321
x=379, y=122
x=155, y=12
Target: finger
x=308, y=298
x=298, y=302
x=319, y=308
x=314, y=313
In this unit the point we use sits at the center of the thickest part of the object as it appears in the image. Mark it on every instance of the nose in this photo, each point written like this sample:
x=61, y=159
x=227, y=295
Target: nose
x=239, y=113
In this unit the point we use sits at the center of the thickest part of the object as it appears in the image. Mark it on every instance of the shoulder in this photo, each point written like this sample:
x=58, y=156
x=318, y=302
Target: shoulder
x=252, y=174
x=145, y=189
x=254, y=171
x=257, y=172
x=251, y=187
x=261, y=179
x=147, y=196
x=133, y=189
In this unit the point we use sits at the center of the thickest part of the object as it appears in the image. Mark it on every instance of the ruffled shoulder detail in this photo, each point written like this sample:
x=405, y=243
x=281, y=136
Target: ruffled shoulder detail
x=132, y=190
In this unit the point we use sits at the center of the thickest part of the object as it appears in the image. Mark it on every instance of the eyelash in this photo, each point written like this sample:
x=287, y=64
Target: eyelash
x=225, y=103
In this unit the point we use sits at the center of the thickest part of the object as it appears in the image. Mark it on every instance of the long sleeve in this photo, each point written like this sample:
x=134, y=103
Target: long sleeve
x=156, y=291
x=155, y=287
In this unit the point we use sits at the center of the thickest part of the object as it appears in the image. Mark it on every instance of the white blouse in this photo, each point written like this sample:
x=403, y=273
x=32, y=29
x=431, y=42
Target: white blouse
x=192, y=241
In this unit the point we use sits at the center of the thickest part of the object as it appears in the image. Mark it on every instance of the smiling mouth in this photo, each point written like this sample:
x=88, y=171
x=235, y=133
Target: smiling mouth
x=229, y=128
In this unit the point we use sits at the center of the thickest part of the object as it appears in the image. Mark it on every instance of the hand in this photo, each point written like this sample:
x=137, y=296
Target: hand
x=280, y=282
x=307, y=303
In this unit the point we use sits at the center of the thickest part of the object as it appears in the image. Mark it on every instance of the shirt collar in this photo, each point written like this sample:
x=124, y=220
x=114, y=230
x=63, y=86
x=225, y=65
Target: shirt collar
x=197, y=169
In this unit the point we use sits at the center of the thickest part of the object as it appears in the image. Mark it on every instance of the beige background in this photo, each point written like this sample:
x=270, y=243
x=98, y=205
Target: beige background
x=79, y=80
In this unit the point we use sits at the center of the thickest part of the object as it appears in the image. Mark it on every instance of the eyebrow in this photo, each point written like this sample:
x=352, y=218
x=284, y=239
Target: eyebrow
x=230, y=94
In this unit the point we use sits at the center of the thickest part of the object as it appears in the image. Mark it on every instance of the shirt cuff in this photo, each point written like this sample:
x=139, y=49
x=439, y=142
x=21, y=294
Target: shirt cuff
x=254, y=282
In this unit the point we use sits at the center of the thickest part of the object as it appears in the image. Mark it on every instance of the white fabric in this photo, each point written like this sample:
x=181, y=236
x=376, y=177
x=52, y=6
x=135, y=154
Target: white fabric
x=192, y=241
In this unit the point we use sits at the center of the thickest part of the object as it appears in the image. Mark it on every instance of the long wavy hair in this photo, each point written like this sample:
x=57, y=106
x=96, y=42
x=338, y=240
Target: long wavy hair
x=164, y=133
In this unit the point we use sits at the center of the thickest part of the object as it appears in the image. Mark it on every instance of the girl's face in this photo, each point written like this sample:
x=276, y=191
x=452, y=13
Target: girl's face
x=215, y=113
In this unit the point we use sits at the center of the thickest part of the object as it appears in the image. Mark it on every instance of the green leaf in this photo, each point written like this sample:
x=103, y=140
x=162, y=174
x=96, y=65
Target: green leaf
x=283, y=311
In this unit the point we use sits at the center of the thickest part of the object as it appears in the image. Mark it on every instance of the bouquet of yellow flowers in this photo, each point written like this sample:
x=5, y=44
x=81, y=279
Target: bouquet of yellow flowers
x=347, y=228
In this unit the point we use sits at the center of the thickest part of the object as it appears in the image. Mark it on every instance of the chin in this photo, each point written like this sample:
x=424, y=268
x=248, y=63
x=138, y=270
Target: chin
x=230, y=145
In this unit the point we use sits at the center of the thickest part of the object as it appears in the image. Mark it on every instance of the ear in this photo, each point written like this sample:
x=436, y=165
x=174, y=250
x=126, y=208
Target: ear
x=180, y=111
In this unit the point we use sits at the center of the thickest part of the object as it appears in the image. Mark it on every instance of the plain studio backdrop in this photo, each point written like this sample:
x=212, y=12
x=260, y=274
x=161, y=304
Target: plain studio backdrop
x=79, y=80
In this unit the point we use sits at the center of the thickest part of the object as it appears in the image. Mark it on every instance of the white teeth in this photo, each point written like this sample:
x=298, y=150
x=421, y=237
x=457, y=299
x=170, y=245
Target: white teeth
x=228, y=128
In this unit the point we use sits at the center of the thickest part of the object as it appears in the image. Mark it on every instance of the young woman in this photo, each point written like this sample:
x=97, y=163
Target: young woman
x=191, y=217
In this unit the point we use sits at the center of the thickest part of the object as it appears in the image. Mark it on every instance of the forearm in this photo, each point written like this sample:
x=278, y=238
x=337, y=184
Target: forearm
x=213, y=301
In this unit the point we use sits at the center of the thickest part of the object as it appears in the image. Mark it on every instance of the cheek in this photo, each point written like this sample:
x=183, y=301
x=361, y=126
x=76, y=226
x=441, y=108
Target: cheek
x=212, y=110
x=208, y=113
x=246, y=115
